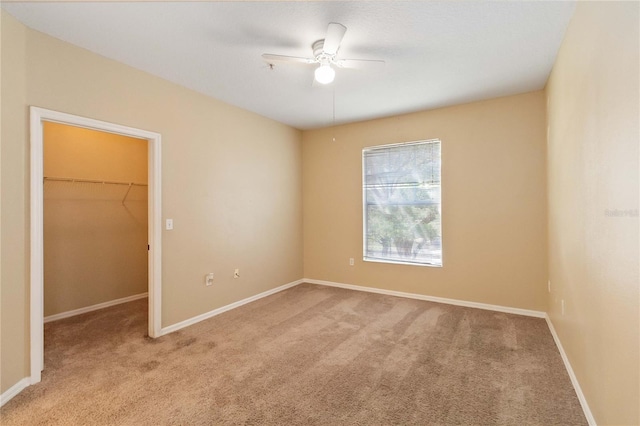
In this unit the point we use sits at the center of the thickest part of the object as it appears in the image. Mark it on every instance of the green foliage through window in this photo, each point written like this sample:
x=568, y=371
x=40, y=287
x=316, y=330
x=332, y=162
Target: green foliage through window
x=402, y=211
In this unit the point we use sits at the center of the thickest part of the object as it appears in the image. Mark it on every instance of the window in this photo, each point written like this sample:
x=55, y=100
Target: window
x=401, y=197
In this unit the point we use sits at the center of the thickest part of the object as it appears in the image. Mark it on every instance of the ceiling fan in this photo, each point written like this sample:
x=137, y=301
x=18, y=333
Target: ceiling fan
x=325, y=56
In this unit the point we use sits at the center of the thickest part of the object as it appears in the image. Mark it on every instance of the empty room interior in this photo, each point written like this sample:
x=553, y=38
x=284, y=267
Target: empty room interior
x=320, y=213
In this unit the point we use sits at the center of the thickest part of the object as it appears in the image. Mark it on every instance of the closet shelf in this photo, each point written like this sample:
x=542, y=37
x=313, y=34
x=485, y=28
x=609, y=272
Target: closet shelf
x=102, y=182
x=108, y=182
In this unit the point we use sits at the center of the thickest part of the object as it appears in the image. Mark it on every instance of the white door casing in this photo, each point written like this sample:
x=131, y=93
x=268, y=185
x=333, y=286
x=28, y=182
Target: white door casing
x=38, y=116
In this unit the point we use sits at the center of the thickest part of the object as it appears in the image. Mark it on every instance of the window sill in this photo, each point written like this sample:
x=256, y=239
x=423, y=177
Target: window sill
x=399, y=262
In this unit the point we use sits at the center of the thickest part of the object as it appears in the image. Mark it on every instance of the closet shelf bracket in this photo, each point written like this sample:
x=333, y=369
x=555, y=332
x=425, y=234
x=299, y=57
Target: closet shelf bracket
x=127, y=193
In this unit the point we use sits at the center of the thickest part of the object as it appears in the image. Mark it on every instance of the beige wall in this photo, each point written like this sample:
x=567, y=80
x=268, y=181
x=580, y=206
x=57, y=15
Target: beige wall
x=493, y=202
x=231, y=181
x=14, y=345
x=593, y=114
x=95, y=246
x=76, y=152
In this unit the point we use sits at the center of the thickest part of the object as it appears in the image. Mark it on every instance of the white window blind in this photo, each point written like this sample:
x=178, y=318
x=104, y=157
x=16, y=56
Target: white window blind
x=401, y=198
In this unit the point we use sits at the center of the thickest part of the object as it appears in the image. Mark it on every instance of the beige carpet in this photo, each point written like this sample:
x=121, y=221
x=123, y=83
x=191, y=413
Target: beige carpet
x=310, y=355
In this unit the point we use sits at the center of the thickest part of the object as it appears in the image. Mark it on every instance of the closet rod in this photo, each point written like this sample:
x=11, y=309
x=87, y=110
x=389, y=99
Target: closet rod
x=104, y=182
x=107, y=182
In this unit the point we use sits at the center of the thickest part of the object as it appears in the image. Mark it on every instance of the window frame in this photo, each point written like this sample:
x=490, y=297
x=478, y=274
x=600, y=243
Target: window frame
x=365, y=258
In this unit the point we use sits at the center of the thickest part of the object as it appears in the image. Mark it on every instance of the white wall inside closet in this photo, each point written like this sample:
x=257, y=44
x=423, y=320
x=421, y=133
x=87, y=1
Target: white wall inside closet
x=95, y=222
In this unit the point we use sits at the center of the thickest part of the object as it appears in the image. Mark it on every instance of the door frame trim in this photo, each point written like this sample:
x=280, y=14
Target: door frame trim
x=37, y=117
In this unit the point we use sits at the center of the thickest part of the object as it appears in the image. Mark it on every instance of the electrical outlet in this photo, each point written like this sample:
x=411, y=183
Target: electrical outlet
x=236, y=273
x=351, y=261
x=208, y=279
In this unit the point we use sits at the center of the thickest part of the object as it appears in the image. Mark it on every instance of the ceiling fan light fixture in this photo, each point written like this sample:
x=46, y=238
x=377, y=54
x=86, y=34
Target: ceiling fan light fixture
x=324, y=74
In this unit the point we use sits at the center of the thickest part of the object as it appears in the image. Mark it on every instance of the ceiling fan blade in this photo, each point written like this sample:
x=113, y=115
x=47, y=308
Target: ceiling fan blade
x=361, y=64
x=335, y=32
x=282, y=58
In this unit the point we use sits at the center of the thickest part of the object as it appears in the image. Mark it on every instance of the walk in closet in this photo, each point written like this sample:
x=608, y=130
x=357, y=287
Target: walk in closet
x=95, y=219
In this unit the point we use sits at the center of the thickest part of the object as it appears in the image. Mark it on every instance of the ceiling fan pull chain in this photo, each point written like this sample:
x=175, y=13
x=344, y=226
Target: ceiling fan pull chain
x=333, y=91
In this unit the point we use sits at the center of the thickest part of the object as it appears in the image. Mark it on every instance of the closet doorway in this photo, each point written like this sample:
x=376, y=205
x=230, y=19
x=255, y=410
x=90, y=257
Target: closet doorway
x=95, y=220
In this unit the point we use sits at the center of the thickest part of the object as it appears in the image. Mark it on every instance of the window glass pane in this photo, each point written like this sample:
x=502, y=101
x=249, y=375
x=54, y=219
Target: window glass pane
x=402, y=203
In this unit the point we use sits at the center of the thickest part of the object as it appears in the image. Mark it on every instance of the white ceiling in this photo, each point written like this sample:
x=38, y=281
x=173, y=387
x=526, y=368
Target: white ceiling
x=436, y=53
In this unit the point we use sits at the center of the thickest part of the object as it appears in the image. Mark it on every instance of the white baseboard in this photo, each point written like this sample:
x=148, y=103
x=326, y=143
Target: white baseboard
x=574, y=380
x=86, y=309
x=477, y=305
x=14, y=390
x=218, y=311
